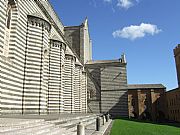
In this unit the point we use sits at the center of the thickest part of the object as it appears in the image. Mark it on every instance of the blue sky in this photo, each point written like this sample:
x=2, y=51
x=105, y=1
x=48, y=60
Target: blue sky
x=147, y=31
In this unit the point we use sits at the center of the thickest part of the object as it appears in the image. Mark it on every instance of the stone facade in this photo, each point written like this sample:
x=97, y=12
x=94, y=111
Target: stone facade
x=147, y=101
x=107, y=87
x=47, y=68
x=173, y=104
x=40, y=73
x=177, y=60
x=42, y=68
x=173, y=96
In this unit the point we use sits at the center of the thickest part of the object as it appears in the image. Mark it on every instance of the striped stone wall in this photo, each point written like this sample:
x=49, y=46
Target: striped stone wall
x=94, y=84
x=69, y=76
x=36, y=67
x=35, y=75
x=109, y=79
x=56, y=71
x=114, y=90
x=11, y=62
x=78, y=89
x=84, y=92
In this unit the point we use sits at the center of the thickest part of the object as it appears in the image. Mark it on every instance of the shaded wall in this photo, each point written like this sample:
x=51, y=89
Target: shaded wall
x=107, y=88
x=147, y=103
x=173, y=104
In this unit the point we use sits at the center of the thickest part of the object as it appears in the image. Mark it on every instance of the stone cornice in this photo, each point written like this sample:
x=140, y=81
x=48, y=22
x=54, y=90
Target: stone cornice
x=56, y=42
x=34, y=20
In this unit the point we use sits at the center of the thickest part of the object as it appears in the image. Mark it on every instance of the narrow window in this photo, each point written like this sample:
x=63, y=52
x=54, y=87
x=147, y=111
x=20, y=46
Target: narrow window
x=7, y=31
x=9, y=14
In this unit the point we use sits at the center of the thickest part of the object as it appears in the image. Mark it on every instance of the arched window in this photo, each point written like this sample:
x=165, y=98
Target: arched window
x=7, y=30
x=9, y=14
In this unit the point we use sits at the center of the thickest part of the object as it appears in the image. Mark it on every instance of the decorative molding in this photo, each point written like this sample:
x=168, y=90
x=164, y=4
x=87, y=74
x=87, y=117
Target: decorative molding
x=58, y=43
x=34, y=20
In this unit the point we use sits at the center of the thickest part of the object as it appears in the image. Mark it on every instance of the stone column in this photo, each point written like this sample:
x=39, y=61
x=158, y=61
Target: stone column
x=84, y=92
x=104, y=119
x=98, y=123
x=80, y=129
x=78, y=88
x=139, y=103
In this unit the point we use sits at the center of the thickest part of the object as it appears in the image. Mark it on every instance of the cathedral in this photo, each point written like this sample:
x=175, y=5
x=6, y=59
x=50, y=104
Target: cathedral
x=40, y=71
x=47, y=68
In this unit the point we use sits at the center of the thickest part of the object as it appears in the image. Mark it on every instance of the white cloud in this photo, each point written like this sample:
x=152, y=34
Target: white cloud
x=125, y=3
x=134, y=31
x=108, y=1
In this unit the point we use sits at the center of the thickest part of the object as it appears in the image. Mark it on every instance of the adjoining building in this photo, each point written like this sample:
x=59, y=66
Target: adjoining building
x=173, y=104
x=153, y=101
x=147, y=101
x=173, y=96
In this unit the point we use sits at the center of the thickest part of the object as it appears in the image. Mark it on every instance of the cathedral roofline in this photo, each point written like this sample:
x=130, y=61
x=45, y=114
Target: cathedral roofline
x=116, y=62
x=103, y=61
x=122, y=60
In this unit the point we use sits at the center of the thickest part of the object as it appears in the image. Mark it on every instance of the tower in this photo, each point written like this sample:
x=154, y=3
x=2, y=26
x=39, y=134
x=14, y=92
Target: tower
x=177, y=60
x=79, y=40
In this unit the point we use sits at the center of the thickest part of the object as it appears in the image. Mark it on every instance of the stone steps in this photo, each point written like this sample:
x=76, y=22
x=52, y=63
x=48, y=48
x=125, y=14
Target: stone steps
x=7, y=124
x=71, y=126
x=35, y=130
x=56, y=126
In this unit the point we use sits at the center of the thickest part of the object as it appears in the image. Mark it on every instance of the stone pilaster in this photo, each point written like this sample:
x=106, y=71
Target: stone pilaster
x=56, y=71
x=35, y=86
x=153, y=105
x=139, y=103
x=78, y=88
x=69, y=76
